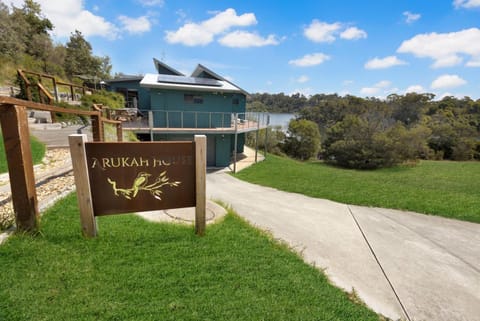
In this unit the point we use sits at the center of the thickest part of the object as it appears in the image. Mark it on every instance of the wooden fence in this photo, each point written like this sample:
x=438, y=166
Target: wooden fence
x=16, y=138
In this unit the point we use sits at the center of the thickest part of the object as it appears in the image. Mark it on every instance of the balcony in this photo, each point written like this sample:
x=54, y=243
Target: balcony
x=189, y=122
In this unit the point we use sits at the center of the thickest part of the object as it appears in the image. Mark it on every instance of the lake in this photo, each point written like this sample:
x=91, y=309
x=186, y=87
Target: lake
x=280, y=119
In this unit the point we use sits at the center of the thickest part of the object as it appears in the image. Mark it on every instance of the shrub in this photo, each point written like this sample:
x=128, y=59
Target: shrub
x=303, y=139
x=106, y=98
x=360, y=143
x=274, y=139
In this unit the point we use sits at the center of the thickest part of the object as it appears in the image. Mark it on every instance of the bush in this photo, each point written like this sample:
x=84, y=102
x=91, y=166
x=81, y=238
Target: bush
x=303, y=139
x=106, y=98
x=275, y=138
x=359, y=143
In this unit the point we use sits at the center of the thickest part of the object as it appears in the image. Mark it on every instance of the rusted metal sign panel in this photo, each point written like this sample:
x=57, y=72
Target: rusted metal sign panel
x=134, y=177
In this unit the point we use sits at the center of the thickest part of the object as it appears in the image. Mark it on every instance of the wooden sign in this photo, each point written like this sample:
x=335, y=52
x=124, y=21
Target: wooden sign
x=113, y=178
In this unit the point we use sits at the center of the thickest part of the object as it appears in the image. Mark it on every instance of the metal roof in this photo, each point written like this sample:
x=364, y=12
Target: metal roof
x=188, y=83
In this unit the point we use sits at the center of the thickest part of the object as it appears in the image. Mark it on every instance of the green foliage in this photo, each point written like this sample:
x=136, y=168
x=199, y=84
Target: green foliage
x=25, y=43
x=271, y=137
x=38, y=152
x=448, y=189
x=137, y=270
x=444, y=129
x=302, y=140
x=106, y=98
x=355, y=142
x=79, y=60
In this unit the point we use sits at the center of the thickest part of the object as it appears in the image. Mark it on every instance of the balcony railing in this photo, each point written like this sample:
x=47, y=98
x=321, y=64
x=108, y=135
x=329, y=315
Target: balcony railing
x=167, y=119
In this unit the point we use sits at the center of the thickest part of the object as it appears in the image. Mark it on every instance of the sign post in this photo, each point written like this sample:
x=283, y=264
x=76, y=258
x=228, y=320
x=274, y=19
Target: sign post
x=82, y=183
x=200, y=173
x=114, y=178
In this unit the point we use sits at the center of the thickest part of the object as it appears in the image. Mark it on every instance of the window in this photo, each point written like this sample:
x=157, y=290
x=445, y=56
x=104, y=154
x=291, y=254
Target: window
x=193, y=99
x=236, y=101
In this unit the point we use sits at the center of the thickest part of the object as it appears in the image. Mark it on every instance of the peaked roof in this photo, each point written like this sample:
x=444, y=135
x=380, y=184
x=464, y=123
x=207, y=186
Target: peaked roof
x=165, y=69
x=201, y=69
x=202, y=79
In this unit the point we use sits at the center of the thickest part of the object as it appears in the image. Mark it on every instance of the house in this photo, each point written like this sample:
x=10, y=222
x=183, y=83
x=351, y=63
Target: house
x=177, y=107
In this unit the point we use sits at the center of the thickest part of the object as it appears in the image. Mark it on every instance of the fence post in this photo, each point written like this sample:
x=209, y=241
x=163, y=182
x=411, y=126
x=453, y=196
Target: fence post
x=16, y=138
x=97, y=127
x=119, y=132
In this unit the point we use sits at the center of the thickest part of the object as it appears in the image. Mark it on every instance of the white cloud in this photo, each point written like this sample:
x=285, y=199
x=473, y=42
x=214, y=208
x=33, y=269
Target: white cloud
x=379, y=89
x=383, y=84
x=474, y=62
x=190, y=34
x=303, y=79
x=151, y=3
x=203, y=33
x=245, y=39
x=447, y=81
x=411, y=17
x=310, y=60
x=353, y=33
x=347, y=82
x=466, y=3
x=382, y=63
x=319, y=31
x=70, y=15
x=415, y=89
x=135, y=25
x=369, y=91
x=446, y=49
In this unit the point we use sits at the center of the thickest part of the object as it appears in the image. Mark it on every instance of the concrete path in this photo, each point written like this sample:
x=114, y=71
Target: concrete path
x=401, y=264
x=58, y=137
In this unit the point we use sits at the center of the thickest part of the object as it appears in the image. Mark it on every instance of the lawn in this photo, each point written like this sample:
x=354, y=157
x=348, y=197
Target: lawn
x=136, y=270
x=37, y=148
x=444, y=188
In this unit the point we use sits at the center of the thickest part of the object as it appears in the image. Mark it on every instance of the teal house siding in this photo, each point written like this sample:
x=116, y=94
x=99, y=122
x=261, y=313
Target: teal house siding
x=143, y=94
x=202, y=100
x=172, y=109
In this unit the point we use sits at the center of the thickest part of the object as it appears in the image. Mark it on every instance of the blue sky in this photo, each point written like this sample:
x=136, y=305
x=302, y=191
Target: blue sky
x=363, y=48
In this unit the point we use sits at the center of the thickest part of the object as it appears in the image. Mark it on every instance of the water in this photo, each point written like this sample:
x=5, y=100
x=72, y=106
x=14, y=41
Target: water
x=280, y=119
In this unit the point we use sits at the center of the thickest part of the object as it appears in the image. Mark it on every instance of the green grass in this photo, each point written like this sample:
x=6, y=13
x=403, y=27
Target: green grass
x=444, y=188
x=136, y=270
x=37, y=148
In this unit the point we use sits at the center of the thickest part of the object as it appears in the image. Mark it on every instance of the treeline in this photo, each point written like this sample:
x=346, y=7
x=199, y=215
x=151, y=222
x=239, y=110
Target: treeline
x=25, y=43
x=372, y=133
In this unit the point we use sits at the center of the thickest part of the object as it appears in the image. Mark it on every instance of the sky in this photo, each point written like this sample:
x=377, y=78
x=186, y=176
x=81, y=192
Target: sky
x=366, y=48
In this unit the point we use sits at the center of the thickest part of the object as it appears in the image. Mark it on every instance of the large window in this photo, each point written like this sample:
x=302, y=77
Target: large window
x=193, y=99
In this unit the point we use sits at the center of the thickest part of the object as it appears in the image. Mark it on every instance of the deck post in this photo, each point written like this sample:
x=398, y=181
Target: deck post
x=256, y=137
x=235, y=145
x=266, y=140
x=150, y=124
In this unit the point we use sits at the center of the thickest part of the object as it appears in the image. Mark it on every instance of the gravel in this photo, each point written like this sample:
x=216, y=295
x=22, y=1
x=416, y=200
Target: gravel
x=56, y=161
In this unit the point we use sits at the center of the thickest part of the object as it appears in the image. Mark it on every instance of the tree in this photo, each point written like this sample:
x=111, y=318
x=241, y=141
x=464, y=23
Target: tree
x=409, y=108
x=303, y=139
x=79, y=59
x=30, y=23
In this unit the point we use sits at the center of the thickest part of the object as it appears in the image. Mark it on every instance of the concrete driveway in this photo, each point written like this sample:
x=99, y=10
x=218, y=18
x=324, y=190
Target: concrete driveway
x=401, y=264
